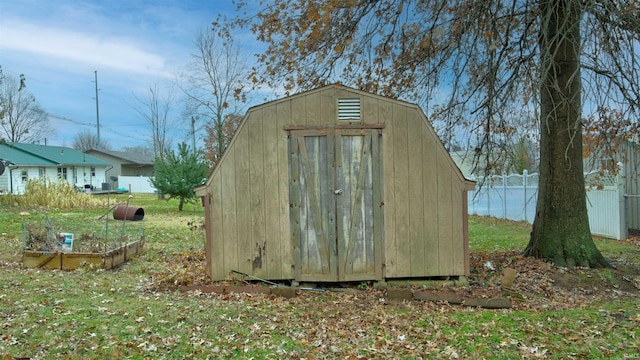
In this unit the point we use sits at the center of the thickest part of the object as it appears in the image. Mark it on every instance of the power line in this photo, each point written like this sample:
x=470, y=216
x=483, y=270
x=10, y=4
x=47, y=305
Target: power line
x=93, y=125
x=121, y=134
x=71, y=120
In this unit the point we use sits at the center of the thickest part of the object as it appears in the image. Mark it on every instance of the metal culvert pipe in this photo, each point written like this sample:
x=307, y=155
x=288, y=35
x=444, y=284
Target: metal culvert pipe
x=131, y=213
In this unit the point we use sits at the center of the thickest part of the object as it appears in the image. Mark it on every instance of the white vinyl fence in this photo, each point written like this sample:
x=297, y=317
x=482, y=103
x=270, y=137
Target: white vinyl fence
x=514, y=197
x=136, y=184
x=606, y=206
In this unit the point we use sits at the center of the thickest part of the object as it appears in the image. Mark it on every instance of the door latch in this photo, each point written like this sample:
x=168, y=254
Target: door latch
x=338, y=192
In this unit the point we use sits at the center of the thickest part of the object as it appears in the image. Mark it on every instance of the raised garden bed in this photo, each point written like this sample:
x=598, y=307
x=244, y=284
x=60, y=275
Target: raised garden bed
x=60, y=241
x=72, y=261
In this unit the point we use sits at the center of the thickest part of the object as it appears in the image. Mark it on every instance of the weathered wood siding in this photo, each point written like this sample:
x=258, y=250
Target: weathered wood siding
x=421, y=226
x=248, y=200
x=424, y=228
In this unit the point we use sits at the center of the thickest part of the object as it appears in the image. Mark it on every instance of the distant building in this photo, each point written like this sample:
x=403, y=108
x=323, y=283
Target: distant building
x=125, y=163
x=21, y=162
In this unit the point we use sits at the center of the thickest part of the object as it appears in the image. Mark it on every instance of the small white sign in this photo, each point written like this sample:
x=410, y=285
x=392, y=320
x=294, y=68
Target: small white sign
x=67, y=245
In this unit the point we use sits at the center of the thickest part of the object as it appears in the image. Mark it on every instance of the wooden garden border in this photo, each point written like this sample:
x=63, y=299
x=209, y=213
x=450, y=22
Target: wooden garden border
x=72, y=261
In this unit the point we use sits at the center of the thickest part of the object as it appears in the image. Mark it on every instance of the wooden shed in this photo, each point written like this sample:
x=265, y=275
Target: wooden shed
x=335, y=185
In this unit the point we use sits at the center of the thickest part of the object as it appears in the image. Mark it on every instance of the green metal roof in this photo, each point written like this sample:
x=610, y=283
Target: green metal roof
x=43, y=155
x=19, y=157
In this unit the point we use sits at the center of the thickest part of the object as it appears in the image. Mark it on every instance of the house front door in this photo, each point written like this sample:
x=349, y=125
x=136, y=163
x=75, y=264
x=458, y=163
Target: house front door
x=335, y=204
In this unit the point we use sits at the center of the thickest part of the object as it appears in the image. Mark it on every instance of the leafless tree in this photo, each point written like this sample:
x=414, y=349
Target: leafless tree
x=214, y=88
x=155, y=109
x=87, y=140
x=21, y=117
x=138, y=149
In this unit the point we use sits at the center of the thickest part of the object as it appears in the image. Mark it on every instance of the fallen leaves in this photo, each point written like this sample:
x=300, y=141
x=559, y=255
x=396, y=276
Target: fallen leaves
x=134, y=312
x=530, y=283
x=536, y=284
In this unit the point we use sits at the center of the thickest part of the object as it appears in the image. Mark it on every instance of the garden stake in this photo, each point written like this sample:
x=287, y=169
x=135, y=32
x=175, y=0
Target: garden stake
x=108, y=211
x=124, y=219
x=106, y=224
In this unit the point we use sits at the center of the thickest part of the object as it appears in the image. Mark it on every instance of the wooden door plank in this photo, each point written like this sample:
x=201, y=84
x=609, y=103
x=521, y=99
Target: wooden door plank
x=368, y=210
x=330, y=200
x=341, y=166
x=356, y=216
x=344, y=182
x=309, y=248
x=314, y=205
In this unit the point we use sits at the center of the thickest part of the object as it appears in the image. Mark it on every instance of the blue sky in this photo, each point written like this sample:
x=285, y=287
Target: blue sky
x=131, y=44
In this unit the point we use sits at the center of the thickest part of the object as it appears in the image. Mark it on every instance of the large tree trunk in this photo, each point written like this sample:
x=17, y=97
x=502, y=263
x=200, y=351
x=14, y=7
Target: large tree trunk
x=561, y=232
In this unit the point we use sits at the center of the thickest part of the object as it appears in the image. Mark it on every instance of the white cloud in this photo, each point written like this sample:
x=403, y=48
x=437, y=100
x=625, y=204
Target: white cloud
x=92, y=50
x=59, y=44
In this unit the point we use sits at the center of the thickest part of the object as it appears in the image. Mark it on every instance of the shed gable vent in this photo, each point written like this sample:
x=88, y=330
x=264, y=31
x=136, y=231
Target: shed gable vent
x=349, y=109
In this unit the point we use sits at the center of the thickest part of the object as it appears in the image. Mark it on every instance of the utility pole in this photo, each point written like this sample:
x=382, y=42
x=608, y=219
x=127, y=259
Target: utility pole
x=193, y=133
x=97, y=111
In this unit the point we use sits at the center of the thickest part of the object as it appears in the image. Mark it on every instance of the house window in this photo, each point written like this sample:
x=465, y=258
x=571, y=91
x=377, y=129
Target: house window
x=349, y=109
x=24, y=175
x=41, y=173
x=62, y=173
x=93, y=171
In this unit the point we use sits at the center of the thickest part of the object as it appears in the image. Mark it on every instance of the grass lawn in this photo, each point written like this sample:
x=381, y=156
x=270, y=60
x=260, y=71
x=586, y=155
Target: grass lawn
x=557, y=313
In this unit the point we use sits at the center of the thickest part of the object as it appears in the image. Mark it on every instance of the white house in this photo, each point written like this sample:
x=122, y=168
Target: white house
x=21, y=162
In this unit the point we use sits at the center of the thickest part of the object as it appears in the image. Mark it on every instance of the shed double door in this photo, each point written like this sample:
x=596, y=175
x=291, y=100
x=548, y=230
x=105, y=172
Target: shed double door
x=335, y=207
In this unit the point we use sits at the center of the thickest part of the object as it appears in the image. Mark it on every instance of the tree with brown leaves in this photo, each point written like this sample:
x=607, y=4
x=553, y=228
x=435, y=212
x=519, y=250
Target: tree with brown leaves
x=474, y=65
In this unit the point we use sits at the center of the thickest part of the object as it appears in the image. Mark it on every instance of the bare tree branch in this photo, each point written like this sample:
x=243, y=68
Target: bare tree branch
x=155, y=109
